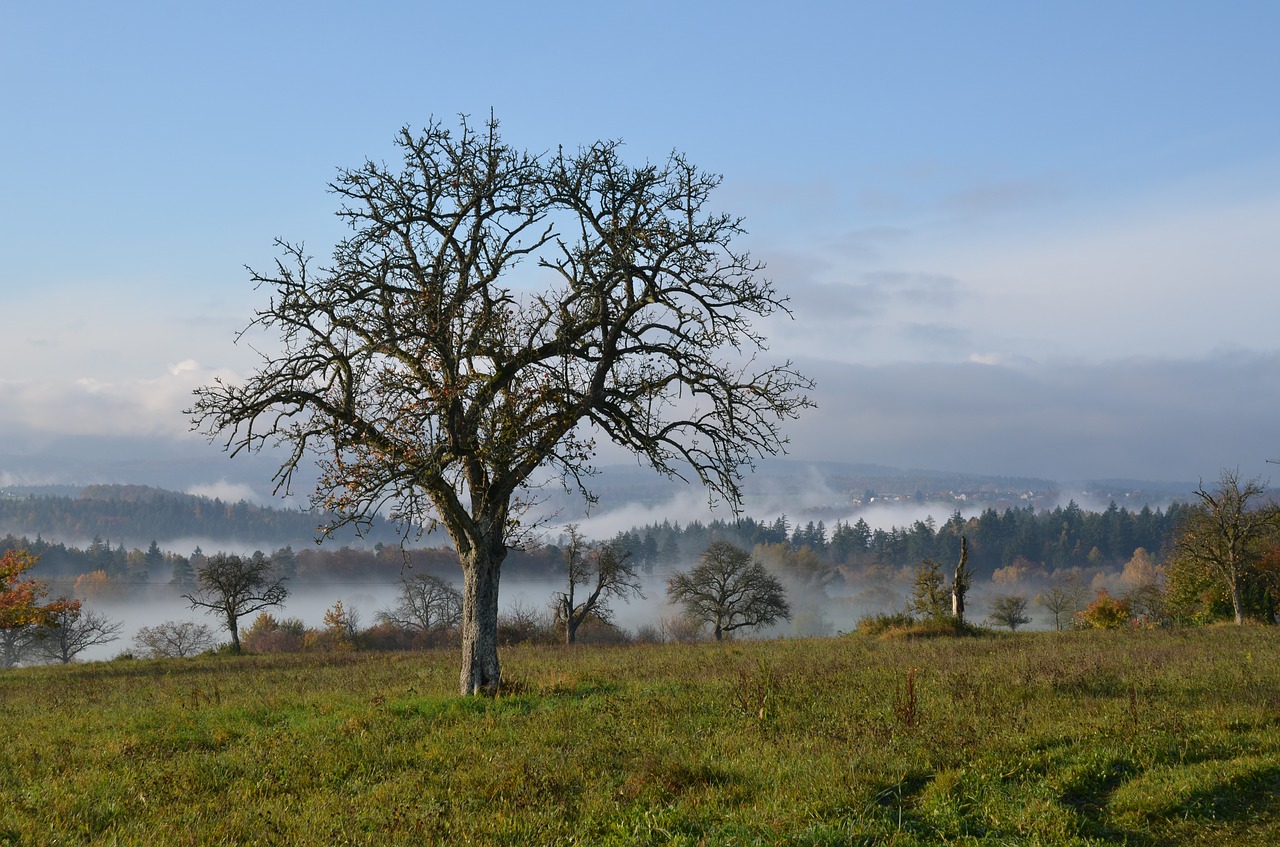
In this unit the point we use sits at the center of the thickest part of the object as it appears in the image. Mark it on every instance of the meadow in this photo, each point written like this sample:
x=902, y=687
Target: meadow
x=1125, y=737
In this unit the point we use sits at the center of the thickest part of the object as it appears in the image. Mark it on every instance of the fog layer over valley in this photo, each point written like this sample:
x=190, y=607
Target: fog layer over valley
x=846, y=541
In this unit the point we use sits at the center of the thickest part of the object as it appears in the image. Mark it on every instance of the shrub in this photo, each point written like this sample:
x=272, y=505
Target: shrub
x=903, y=625
x=879, y=624
x=1106, y=612
x=1009, y=610
x=524, y=624
x=173, y=640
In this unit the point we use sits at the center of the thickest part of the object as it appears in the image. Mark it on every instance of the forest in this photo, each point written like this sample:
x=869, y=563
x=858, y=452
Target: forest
x=124, y=523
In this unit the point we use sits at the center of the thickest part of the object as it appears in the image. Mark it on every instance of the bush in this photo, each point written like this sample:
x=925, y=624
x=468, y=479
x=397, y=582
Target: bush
x=523, y=624
x=903, y=625
x=648, y=633
x=268, y=635
x=879, y=624
x=1106, y=612
x=682, y=629
x=173, y=640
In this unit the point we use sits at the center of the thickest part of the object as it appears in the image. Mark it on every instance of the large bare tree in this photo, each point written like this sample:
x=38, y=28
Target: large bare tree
x=490, y=315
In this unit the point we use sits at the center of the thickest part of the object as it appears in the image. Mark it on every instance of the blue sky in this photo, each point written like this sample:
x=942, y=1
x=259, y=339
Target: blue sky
x=1020, y=238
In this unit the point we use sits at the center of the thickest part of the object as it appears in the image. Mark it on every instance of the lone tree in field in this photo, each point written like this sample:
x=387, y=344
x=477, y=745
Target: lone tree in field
x=491, y=314
x=1062, y=598
x=602, y=572
x=1009, y=610
x=1226, y=537
x=729, y=590
x=232, y=587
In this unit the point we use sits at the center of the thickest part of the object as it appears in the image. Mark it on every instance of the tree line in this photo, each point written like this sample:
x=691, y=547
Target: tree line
x=1056, y=539
x=1051, y=539
x=134, y=514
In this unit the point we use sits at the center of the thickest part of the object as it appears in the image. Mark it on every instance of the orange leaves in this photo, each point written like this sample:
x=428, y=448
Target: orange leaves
x=20, y=597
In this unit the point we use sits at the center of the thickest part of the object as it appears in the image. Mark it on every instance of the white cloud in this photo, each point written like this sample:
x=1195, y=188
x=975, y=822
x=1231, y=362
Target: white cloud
x=149, y=406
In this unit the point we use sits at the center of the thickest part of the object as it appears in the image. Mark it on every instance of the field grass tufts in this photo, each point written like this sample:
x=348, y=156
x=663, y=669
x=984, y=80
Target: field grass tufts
x=1139, y=738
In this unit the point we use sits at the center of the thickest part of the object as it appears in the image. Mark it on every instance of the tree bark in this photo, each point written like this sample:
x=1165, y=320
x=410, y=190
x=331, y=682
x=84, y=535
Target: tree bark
x=481, y=673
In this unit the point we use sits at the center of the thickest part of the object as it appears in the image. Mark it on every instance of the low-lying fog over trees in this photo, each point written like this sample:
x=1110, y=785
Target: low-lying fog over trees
x=1060, y=568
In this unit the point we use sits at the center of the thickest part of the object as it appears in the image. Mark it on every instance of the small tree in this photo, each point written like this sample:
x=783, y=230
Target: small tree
x=1009, y=610
x=426, y=604
x=1062, y=598
x=341, y=629
x=729, y=590
x=603, y=571
x=1226, y=537
x=173, y=640
x=231, y=587
x=22, y=613
x=73, y=631
x=929, y=597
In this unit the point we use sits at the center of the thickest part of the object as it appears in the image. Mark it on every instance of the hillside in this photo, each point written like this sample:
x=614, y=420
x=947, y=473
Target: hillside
x=136, y=515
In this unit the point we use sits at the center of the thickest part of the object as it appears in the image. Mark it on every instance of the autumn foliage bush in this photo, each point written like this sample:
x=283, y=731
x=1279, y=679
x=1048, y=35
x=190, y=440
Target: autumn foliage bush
x=1105, y=612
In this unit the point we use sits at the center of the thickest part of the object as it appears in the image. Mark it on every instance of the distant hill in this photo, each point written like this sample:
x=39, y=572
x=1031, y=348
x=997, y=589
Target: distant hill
x=136, y=515
x=827, y=489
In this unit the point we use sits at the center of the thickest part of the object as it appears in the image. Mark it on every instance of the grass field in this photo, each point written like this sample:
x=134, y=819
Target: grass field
x=1142, y=738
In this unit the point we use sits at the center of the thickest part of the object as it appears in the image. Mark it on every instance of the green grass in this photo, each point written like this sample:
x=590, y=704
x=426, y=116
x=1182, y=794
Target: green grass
x=1140, y=738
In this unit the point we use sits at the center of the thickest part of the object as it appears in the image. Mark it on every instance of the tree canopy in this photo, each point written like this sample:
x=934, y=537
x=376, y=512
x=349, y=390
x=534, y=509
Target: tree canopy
x=433, y=375
x=728, y=589
x=21, y=596
x=232, y=586
x=1225, y=541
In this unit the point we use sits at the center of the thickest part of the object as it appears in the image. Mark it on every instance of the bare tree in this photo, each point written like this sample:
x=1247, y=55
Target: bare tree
x=603, y=571
x=426, y=604
x=231, y=587
x=73, y=631
x=1063, y=597
x=429, y=384
x=173, y=639
x=17, y=643
x=1226, y=536
x=729, y=590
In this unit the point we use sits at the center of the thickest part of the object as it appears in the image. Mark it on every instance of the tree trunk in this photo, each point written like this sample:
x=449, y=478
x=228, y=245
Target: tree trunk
x=960, y=582
x=234, y=625
x=1237, y=602
x=480, y=670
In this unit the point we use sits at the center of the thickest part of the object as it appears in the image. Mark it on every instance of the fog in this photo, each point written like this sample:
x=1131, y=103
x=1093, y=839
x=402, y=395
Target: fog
x=835, y=609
